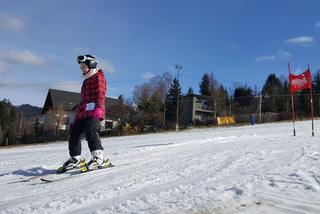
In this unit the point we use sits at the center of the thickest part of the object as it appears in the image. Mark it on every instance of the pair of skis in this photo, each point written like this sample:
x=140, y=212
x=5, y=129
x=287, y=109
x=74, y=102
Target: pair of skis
x=83, y=168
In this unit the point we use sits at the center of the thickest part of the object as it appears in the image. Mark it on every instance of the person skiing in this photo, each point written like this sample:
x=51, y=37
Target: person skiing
x=87, y=118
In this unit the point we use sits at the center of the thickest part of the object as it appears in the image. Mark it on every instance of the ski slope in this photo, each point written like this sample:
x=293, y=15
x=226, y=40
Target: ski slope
x=247, y=169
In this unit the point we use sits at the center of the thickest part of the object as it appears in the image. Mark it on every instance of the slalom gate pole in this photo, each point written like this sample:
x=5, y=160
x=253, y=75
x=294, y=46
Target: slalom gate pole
x=311, y=105
x=292, y=104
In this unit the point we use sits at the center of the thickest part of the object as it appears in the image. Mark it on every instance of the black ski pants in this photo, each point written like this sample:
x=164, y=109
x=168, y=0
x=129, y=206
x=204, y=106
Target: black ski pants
x=89, y=126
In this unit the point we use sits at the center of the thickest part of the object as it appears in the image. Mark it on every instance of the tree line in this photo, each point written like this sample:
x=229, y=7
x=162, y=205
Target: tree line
x=16, y=127
x=154, y=107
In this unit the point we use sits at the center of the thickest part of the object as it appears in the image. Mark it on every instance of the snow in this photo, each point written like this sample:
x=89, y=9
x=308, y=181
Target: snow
x=245, y=169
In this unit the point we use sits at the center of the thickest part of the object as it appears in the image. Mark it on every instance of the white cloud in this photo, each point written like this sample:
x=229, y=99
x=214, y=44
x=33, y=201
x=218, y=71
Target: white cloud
x=12, y=23
x=283, y=54
x=23, y=56
x=106, y=65
x=14, y=85
x=265, y=58
x=72, y=86
x=11, y=57
x=147, y=75
x=302, y=40
x=317, y=24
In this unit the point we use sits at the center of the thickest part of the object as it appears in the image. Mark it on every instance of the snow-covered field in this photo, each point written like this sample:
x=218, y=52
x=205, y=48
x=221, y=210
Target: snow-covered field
x=248, y=169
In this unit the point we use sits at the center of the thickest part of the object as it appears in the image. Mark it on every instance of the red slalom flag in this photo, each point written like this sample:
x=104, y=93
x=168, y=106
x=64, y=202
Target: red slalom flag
x=301, y=81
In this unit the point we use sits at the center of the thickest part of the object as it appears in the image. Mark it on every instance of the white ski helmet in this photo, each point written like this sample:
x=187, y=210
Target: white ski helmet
x=89, y=60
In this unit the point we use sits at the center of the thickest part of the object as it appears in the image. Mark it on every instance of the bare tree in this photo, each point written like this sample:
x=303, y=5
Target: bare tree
x=150, y=98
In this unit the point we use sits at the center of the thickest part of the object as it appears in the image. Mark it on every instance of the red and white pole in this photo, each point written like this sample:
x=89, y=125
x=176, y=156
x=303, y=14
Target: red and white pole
x=311, y=103
x=292, y=103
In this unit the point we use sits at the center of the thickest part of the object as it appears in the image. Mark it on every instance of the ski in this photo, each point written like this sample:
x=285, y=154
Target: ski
x=51, y=180
x=60, y=170
x=24, y=180
x=72, y=173
x=63, y=169
x=105, y=164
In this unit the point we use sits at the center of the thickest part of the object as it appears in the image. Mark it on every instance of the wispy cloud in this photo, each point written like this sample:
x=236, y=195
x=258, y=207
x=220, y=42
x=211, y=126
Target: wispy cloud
x=106, y=65
x=317, y=24
x=67, y=86
x=302, y=40
x=11, y=22
x=283, y=54
x=12, y=84
x=265, y=58
x=23, y=56
x=147, y=75
x=11, y=57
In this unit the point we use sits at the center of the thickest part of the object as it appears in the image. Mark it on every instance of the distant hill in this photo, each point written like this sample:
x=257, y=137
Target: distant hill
x=29, y=111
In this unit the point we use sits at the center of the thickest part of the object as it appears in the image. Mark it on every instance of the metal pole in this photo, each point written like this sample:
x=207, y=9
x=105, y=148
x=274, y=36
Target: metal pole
x=311, y=103
x=260, y=106
x=178, y=67
x=230, y=106
x=292, y=103
x=164, y=115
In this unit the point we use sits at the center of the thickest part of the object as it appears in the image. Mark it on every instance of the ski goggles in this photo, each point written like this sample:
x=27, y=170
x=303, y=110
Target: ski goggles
x=82, y=59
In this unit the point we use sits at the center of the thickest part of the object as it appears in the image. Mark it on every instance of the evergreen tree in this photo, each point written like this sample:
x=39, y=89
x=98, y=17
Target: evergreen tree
x=190, y=91
x=205, y=85
x=120, y=99
x=37, y=131
x=12, y=126
x=316, y=92
x=1, y=136
x=143, y=95
x=171, y=100
x=286, y=96
x=5, y=115
x=243, y=96
x=272, y=91
x=8, y=121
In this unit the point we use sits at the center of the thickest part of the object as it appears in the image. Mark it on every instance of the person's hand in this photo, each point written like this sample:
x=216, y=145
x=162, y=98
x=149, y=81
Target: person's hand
x=75, y=108
x=97, y=113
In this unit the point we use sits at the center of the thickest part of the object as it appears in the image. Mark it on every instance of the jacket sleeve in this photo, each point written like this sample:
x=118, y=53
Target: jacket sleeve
x=101, y=91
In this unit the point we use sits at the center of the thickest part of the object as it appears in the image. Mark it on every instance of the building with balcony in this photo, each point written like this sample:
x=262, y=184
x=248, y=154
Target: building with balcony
x=197, y=111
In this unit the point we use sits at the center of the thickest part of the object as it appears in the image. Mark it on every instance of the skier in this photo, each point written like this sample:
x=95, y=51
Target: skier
x=87, y=119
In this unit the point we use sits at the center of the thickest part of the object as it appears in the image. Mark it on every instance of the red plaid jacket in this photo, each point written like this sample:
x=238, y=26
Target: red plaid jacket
x=93, y=90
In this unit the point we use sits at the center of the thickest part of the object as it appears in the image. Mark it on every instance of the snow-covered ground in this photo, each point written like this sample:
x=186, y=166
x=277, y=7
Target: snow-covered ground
x=248, y=169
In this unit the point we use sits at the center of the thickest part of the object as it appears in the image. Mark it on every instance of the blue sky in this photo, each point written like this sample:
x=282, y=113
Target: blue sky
x=239, y=41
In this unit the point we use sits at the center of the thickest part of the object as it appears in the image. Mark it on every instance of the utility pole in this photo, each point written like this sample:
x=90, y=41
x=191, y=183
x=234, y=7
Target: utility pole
x=260, y=106
x=164, y=114
x=178, y=67
x=230, y=106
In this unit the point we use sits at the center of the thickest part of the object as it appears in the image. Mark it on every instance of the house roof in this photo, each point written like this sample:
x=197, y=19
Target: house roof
x=67, y=100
